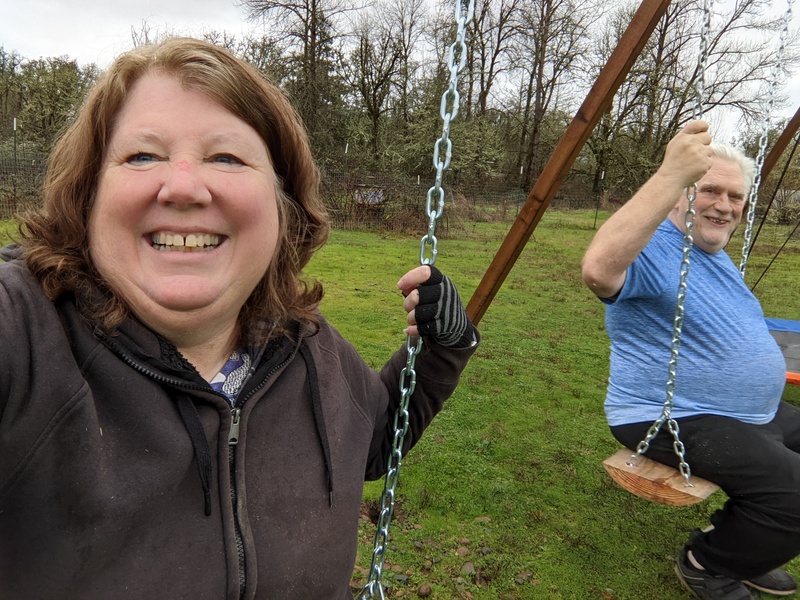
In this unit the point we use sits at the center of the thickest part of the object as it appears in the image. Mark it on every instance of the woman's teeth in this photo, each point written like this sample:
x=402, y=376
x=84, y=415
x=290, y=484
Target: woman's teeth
x=189, y=243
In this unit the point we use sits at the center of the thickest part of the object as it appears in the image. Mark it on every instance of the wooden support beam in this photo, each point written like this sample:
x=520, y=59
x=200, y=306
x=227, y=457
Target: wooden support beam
x=780, y=144
x=596, y=103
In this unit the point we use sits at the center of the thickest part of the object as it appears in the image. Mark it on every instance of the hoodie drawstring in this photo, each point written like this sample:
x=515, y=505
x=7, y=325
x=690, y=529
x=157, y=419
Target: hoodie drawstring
x=319, y=417
x=191, y=420
x=202, y=453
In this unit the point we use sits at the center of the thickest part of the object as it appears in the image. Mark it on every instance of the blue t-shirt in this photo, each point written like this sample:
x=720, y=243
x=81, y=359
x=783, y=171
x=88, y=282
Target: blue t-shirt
x=728, y=363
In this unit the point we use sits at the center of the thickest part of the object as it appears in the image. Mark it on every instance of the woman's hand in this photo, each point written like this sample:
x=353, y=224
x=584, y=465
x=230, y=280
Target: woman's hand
x=434, y=308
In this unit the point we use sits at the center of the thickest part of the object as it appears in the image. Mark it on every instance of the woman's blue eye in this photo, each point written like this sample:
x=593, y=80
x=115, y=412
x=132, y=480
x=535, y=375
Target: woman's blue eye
x=141, y=157
x=227, y=159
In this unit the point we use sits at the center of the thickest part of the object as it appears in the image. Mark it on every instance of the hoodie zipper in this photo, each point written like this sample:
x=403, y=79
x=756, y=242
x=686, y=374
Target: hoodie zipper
x=233, y=435
x=233, y=440
x=174, y=382
x=233, y=432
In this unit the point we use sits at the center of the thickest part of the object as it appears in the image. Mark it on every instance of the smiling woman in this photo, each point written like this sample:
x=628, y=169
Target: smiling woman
x=177, y=419
x=211, y=176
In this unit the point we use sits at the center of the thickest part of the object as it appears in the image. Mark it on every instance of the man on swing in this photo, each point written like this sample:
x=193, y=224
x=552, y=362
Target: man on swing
x=727, y=400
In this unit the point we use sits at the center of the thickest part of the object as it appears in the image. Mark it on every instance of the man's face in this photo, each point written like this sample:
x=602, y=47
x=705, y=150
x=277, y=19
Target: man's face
x=718, y=205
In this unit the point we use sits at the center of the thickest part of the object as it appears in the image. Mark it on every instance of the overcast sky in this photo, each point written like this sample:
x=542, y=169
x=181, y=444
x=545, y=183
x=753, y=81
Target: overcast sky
x=98, y=30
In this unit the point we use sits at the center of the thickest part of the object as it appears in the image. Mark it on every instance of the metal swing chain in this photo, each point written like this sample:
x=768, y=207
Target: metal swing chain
x=456, y=60
x=677, y=326
x=680, y=303
x=777, y=67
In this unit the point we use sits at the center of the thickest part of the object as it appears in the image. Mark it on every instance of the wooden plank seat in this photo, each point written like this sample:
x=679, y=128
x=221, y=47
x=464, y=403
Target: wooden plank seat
x=656, y=482
x=662, y=484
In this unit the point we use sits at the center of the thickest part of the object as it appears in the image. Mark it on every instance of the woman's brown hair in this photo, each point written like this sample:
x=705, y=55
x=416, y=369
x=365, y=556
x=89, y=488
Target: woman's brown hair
x=55, y=236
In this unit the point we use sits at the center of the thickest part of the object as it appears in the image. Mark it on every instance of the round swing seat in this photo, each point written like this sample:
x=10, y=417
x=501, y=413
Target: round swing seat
x=656, y=482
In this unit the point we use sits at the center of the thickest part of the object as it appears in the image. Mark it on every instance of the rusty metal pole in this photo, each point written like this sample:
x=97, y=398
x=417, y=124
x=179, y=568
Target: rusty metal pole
x=596, y=103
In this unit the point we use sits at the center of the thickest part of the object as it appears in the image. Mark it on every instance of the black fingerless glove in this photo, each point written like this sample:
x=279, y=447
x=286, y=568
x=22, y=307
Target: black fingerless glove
x=440, y=313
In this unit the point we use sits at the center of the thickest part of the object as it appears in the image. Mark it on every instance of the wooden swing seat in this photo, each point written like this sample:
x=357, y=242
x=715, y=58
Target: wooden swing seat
x=659, y=483
x=656, y=482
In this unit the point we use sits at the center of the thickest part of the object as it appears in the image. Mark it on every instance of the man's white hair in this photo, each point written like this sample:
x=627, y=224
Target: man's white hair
x=746, y=164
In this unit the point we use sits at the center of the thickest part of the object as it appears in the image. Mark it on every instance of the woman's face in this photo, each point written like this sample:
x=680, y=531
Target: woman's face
x=185, y=222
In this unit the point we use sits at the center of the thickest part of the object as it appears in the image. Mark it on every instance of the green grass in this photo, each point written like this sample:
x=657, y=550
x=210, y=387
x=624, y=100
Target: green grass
x=510, y=472
x=508, y=478
x=8, y=229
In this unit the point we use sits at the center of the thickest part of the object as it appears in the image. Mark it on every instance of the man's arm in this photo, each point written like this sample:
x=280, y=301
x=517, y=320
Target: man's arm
x=620, y=239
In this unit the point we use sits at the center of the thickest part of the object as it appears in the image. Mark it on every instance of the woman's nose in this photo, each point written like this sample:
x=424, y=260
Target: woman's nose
x=184, y=186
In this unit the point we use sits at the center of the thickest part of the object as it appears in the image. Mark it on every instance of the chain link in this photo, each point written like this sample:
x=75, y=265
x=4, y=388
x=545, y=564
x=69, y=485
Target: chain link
x=680, y=303
x=777, y=67
x=677, y=329
x=456, y=60
x=448, y=110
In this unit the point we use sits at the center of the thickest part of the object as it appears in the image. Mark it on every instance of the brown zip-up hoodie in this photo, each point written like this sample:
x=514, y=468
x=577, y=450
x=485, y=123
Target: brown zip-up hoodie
x=123, y=475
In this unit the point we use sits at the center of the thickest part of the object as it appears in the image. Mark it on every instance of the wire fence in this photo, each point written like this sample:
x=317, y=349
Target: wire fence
x=362, y=201
x=21, y=176
x=356, y=199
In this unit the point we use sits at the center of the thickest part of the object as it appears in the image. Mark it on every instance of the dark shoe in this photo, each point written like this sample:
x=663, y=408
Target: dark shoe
x=777, y=582
x=705, y=586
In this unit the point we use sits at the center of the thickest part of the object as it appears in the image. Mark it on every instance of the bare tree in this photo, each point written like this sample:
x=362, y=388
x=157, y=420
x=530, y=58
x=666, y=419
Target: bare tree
x=146, y=34
x=10, y=63
x=492, y=30
x=552, y=39
x=224, y=39
x=374, y=67
x=307, y=29
x=51, y=89
x=406, y=16
x=659, y=95
x=263, y=53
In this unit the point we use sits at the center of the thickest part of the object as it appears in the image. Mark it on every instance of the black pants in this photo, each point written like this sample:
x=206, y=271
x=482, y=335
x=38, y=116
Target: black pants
x=758, y=467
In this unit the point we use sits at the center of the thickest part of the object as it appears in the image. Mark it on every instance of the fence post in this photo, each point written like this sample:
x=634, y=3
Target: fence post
x=16, y=168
